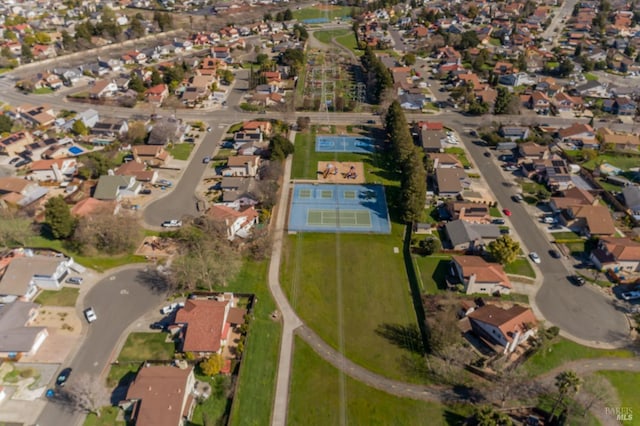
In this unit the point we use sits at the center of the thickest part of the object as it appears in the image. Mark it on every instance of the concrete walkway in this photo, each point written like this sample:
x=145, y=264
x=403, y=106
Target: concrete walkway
x=289, y=317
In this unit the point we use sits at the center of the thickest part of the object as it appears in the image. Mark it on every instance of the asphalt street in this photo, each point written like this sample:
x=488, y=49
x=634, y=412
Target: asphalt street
x=181, y=202
x=579, y=311
x=118, y=300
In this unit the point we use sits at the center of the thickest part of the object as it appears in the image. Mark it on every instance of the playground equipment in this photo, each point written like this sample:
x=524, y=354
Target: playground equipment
x=351, y=174
x=330, y=169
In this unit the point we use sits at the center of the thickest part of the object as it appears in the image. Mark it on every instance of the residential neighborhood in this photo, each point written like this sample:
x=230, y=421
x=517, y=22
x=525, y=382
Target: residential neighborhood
x=260, y=212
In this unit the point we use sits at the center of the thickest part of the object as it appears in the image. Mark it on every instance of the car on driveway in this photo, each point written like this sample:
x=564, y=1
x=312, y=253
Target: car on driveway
x=534, y=256
x=506, y=212
x=145, y=191
x=157, y=326
x=518, y=198
x=577, y=280
x=163, y=182
x=74, y=280
x=173, y=223
x=90, y=315
x=631, y=295
x=63, y=376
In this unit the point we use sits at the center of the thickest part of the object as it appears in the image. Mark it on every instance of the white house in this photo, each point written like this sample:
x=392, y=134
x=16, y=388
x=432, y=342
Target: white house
x=25, y=274
x=57, y=170
x=242, y=165
x=237, y=223
x=114, y=187
x=505, y=327
x=480, y=276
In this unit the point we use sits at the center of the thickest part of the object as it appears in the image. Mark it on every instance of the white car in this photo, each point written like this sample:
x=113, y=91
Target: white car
x=173, y=223
x=534, y=256
x=631, y=295
x=90, y=315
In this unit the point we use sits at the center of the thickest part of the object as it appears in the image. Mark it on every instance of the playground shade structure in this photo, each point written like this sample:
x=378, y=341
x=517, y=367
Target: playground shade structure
x=339, y=208
x=333, y=143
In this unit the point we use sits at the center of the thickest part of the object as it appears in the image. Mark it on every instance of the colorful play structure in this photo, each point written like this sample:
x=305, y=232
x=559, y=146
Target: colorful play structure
x=351, y=174
x=330, y=169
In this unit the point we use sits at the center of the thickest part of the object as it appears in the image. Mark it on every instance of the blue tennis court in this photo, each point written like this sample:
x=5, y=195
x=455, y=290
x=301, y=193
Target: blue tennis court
x=332, y=143
x=339, y=208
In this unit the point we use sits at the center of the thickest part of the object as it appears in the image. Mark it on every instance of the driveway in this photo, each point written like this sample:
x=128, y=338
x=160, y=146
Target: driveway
x=181, y=201
x=580, y=311
x=118, y=300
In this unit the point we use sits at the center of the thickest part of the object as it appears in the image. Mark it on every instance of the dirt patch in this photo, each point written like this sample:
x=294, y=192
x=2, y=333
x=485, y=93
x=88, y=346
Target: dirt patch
x=325, y=7
x=340, y=172
x=64, y=328
x=59, y=318
x=156, y=247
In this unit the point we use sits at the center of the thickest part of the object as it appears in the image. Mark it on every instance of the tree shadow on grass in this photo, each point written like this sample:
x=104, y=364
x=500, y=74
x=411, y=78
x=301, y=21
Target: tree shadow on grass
x=404, y=336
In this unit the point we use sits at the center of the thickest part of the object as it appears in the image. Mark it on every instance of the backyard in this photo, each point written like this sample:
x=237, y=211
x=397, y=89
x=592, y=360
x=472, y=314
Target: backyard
x=349, y=289
x=321, y=395
x=621, y=161
x=65, y=297
x=433, y=272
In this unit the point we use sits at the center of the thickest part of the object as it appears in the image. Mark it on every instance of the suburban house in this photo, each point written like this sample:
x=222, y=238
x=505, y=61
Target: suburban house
x=237, y=223
x=204, y=325
x=539, y=102
x=469, y=212
x=17, y=337
x=590, y=221
x=150, y=155
x=20, y=192
x=619, y=141
x=631, y=195
x=112, y=187
x=617, y=254
x=580, y=135
x=242, y=137
x=242, y=165
x=157, y=94
x=91, y=206
x=165, y=131
x=102, y=89
x=137, y=170
x=264, y=126
x=571, y=198
x=161, y=396
x=41, y=115
x=431, y=140
x=514, y=133
x=530, y=151
x=89, y=117
x=507, y=328
x=57, y=170
x=464, y=235
x=480, y=276
x=15, y=143
x=110, y=128
x=449, y=182
x=444, y=161
x=25, y=274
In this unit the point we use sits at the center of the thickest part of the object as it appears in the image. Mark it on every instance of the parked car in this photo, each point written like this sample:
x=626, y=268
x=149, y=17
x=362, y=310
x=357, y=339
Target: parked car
x=170, y=308
x=63, y=376
x=577, y=280
x=206, y=160
x=498, y=221
x=14, y=160
x=173, y=223
x=631, y=295
x=487, y=154
x=75, y=280
x=534, y=256
x=506, y=212
x=90, y=315
x=164, y=182
x=555, y=254
x=157, y=326
x=208, y=129
x=518, y=198
x=505, y=231
x=549, y=219
x=145, y=191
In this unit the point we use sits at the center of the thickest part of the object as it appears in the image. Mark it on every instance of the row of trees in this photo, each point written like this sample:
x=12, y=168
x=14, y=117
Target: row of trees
x=379, y=78
x=408, y=159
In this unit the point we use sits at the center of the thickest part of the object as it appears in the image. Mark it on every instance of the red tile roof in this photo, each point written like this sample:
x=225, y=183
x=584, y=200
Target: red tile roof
x=205, y=321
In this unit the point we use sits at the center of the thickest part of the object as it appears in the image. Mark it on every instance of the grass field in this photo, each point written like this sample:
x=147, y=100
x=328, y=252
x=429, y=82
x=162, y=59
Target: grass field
x=107, y=418
x=566, y=236
x=256, y=385
x=626, y=384
x=617, y=160
x=564, y=351
x=122, y=372
x=520, y=266
x=348, y=289
x=181, y=151
x=65, y=297
x=316, y=399
x=433, y=271
x=314, y=13
x=349, y=41
x=43, y=91
x=146, y=346
x=326, y=35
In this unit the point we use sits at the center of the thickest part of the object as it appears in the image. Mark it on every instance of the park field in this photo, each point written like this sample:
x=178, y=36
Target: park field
x=321, y=395
x=328, y=12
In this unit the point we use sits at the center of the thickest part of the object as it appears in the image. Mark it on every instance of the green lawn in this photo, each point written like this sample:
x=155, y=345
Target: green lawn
x=253, y=398
x=146, y=346
x=181, y=151
x=460, y=154
x=495, y=212
x=66, y=297
x=316, y=398
x=325, y=36
x=369, y=280
x=626, y=384
x=621, y=161
x=575, y=248
x=349, y=41
x=43, y=91
x=107, y=418
x=122, y=373
x=520, y=266
x=433, y=271
x=98, y=263
x=315, y=13
x=564, y=350
x=566, y=236
x=590, y=77
x=305, y=160
x=213, y=407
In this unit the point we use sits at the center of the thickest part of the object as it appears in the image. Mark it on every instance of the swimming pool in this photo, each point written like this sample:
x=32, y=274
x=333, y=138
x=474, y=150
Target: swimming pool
x=76, y=150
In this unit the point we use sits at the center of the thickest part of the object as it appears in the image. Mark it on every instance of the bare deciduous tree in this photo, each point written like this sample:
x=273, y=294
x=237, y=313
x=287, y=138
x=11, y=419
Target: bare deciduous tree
x=15, y=228
x=86, y=394
x=107, y=233
x=596, y=389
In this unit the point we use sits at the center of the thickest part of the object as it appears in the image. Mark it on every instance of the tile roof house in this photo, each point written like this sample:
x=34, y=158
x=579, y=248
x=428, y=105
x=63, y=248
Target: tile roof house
x=162, y=396
x=264, y=126
x=507, y=328
x=444, y=161
x=617, y=254
x=469, y=212
x=464, y=235
x=17, y=336
x=41, y=115
x=25, y=274
x=157, y=94
x=204, y=325
x=480, y=276
x=532, y=151
x=449, y=182
x=112, y=187
x=619, y=141
x=150, y=155
x=57, y=170
x=137, y=170
x=237, y=223
x=572, y=197
x=20, y=192
x=92, y=206
x=242, y=165
x=103, y=88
